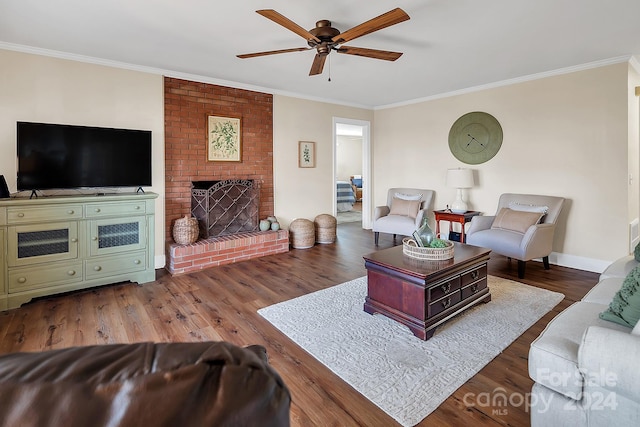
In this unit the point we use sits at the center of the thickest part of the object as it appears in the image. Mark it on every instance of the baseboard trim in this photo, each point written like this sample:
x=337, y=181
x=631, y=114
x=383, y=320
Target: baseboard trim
x=564, y=260
x=160, y=261
x=578, y=262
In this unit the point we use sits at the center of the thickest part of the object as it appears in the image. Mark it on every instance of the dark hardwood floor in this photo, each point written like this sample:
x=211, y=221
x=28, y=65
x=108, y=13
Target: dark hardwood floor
x=221, y=303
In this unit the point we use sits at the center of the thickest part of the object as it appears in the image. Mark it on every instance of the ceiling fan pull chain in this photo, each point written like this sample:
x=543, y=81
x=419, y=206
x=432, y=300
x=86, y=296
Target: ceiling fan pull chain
x=329, y=69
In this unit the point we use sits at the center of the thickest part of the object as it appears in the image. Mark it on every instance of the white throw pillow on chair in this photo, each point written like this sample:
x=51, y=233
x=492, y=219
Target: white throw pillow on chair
x=408, y=196
x=528, y=208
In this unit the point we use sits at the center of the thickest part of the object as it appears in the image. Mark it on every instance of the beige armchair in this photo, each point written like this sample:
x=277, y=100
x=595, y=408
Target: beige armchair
x=403, y=213
x=522, y=228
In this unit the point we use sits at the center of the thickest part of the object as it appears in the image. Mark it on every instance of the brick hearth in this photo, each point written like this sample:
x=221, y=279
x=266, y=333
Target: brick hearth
x=225, y=250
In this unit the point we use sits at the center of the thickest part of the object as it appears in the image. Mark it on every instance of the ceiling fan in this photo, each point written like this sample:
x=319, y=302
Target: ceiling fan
x=324, y=38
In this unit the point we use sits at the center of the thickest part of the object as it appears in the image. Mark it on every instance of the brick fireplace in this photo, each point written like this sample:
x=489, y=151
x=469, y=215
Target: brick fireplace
x=187, y=106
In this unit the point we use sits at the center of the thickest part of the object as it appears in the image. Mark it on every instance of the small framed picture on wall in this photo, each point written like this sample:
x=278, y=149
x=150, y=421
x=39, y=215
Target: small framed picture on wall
x=306, y=154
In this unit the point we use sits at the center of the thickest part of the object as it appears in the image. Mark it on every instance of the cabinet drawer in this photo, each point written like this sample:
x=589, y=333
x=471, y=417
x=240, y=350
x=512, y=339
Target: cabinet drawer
x=97, y=210
x=23, y=215
x=474, y=288
x=116, y=264
x=444, y=303
x=443, y=288
x=22, y=279
x=473, y=275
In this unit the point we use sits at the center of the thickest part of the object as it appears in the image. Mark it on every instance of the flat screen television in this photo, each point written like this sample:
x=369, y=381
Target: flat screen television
x=56, y=156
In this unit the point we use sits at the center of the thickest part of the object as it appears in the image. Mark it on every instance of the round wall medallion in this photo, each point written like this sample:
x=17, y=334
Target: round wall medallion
x=475, y=138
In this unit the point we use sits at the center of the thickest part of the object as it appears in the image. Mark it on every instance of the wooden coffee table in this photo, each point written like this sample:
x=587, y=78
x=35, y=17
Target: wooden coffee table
x=424, y=294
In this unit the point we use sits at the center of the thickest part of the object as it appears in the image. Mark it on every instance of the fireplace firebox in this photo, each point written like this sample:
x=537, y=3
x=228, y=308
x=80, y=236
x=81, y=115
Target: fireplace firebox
x=225, y=207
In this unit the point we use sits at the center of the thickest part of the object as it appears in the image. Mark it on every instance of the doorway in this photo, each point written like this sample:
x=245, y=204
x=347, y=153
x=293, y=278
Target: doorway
x=351, y=158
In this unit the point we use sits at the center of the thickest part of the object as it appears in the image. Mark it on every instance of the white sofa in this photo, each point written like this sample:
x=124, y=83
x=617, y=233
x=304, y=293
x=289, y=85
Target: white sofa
x=586, y=370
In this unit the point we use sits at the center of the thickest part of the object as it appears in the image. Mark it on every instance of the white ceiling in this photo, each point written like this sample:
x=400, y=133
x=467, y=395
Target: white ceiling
x=448, y=45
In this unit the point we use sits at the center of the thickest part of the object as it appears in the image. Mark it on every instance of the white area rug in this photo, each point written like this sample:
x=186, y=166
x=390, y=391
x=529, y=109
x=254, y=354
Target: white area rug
x=406, y=377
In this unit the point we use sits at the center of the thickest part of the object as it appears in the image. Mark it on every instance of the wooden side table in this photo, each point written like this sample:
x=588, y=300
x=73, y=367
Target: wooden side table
x=462, y=219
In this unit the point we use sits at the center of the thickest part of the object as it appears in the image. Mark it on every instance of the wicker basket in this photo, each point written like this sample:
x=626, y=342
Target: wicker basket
x=185, y=230
x=325, y=228
x=411, y=249
x=302, y=233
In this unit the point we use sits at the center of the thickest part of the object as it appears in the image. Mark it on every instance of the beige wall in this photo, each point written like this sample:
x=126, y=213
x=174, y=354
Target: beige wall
x=566, y=135
x=42, y=89
x=574, y=135
x=348, y=157
x=305, y=192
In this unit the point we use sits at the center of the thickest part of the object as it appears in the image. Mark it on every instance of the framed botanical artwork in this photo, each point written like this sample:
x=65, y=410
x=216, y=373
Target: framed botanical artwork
x=306, y=154
x=223, y=139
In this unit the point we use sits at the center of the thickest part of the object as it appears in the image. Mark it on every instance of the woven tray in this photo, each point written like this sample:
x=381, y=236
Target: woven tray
x=412, y=250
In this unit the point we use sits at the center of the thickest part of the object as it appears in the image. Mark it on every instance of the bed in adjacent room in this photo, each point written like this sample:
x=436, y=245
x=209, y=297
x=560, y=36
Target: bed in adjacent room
x=345, y=196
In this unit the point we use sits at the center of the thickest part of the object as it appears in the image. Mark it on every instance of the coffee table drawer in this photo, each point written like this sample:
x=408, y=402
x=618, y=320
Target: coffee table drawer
x=474, y=288
x=443, y=288
x=442, y=304
x=473, y=275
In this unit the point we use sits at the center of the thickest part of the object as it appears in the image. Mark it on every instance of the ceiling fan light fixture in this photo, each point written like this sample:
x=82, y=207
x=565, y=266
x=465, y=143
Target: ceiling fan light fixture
x=324, y=38
x=323, y=49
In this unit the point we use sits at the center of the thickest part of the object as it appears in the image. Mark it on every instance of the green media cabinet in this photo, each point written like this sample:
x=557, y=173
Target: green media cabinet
x=56, y=244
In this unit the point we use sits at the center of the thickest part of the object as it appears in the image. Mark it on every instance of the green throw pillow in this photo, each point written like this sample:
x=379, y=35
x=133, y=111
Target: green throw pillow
x=625, y=307
x=636, y=252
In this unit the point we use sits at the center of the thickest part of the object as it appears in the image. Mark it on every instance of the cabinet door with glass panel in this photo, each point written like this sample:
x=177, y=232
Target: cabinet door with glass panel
x=114, y=235
x=30, y=244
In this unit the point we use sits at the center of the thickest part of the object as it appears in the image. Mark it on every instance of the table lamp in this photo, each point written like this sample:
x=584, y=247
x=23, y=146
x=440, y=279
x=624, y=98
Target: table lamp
x=459, y=179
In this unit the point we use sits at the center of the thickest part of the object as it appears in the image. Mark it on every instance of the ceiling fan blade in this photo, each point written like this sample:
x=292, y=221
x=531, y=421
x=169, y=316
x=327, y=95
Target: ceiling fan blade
x=272, y=52
x=370, y=53
x=392, y=17
x=287, y=23
x=318, y=64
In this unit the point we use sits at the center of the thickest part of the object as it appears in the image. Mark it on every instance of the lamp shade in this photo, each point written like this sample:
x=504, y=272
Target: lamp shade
x=460, y=178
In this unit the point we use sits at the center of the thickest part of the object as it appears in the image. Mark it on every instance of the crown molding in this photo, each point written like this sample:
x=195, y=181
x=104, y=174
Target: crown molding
x=168, y=73
x=632, y=60
x=530, y=77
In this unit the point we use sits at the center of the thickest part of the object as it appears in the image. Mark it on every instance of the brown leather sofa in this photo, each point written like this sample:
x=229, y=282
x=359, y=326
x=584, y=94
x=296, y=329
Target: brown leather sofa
x=143, y=385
